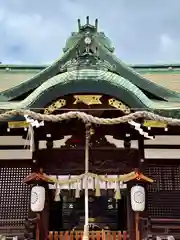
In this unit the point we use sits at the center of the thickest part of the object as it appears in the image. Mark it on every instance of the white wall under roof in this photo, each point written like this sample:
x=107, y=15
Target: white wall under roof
x=149, y=153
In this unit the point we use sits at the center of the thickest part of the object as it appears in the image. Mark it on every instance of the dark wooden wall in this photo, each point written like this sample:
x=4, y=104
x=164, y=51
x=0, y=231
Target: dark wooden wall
x=101, y=160
x=163, y=195
x=106, y=215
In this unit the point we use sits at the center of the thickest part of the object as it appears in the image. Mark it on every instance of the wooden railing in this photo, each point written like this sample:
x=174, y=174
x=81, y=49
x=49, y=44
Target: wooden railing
x=12, y=227
x=93, y=235
x=160, y=227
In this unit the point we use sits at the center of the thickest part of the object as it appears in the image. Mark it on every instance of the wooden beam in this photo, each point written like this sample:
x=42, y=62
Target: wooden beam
x=166, y=146
x=162, y=154
x=167, y=161
x=164, y=140
x=15, y=154
x=13, y=147
x=16, y=163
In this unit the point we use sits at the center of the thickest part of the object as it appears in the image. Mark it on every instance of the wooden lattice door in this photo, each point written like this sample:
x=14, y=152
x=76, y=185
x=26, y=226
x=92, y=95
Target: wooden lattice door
x=164, y=194
x=14, y=198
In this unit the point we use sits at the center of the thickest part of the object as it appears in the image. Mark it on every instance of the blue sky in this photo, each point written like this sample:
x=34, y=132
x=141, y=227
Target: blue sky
x=142, y=31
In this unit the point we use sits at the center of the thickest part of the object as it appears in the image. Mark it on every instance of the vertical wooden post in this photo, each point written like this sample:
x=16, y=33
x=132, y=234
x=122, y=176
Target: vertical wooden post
x=44, y=216
x=137, y=225
x=142, y=154
x=130, y=215
x=38, y=226
x=34, y=154
x=86, y=225
x=30, y=225
x=32, y=217
x=36, y=169
x=142, y=168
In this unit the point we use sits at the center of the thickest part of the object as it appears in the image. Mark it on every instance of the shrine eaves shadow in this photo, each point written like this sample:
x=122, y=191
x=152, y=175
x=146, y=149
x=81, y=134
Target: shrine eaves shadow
x=101, y=161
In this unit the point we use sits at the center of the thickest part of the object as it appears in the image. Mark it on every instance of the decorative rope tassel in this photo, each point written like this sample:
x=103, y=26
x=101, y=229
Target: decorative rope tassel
x=117, y=195
x=57, y=197
x=97, y=188
x=77, y=193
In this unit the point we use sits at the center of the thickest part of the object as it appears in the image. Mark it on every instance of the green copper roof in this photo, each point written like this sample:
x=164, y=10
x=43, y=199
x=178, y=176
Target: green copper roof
x=89, y=81
x=89, y=65
x=169, y=68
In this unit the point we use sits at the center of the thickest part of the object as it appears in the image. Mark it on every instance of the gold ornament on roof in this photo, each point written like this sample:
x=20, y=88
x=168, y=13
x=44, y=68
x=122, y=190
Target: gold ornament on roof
x=88, y=99
x=155, y=124
x=18, y=124
x=119, y=105
x=91, y=220
x=55, y=106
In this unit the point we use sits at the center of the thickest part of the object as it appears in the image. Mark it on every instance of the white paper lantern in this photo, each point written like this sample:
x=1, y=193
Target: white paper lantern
x=37, y=198
x=138, y=198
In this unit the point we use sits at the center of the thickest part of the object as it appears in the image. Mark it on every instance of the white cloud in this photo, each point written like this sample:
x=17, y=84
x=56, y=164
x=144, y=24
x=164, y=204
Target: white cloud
x=36, y=31
x=169, y=48
x=166, y=43
x=39, y=36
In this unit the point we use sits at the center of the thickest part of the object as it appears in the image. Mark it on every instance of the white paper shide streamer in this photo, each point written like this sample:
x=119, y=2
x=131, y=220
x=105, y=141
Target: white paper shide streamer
x=30, y=134
x=138, y=127
x=77, y=192
x=37, y=198
x=57, y=197
x=138, y=198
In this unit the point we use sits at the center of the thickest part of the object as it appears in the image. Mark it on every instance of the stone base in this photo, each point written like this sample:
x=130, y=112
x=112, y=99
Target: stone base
x=86, y=232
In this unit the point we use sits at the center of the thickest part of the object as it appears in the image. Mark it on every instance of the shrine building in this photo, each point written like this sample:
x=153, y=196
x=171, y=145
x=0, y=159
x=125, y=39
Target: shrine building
x=78, y=174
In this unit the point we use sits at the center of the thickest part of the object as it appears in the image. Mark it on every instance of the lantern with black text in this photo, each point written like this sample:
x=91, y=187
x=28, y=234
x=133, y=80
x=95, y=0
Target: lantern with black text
x=138, y=198
x=37, y=198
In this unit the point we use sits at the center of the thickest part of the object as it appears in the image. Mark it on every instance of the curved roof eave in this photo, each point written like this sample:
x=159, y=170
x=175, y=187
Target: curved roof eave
x=134, y=77
x=38, y=79
x=87, y=81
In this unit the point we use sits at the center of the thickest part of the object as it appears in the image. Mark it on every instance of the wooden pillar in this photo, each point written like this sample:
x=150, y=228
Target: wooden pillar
x=49, y=143
x=130, y=214
x=134, y=217
x=142, y=168
x=30, y=225
x=142, y=162
x=44, y=217
x=31, y=221
x=137, y=232
x=35, y=160
x=127, y=141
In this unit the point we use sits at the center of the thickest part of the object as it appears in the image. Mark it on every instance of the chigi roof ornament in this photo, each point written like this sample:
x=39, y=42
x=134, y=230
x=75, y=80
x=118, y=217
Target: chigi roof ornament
x=87, y=24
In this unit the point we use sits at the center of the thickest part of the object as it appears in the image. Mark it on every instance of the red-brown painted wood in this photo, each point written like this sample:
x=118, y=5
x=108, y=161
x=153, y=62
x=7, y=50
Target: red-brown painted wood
x=50, y=235
x=119, y=236
x=93, y=235
x=61, y=235
x=125, y=235
x=56, y=235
